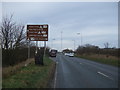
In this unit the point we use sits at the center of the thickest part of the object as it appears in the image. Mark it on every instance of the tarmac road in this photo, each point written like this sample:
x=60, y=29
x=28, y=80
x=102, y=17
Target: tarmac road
x=73, y=72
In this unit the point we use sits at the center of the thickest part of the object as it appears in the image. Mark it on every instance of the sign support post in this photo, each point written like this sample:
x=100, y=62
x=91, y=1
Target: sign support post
x=36, y=46
x=28, y=49
x=44, y=47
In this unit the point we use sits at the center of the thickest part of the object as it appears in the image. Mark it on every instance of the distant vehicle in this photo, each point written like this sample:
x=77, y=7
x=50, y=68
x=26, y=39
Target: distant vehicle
x=69, y=54
x=66, y=54
x=53, y=53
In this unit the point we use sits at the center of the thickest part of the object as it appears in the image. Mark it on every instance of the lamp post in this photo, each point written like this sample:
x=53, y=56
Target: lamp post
x=52, y=41
x=80, y=37
x=74, y=44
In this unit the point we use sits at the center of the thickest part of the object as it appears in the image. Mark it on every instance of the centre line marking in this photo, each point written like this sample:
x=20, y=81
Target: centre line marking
x=55, y=76
x=104, y=75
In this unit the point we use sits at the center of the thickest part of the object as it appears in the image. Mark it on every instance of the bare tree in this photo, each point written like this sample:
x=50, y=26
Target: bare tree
x=11, y=33
x=106, y=45
x=6, y=31
x=19, y=36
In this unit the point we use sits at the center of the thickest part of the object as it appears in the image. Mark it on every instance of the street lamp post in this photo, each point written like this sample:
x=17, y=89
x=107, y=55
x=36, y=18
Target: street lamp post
x=52, y=42
x=80, y=37
x=74, y=44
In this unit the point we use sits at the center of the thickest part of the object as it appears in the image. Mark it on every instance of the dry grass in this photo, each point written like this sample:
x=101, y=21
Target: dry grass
x=103, y=56
x=7, y=71
x=111, y=60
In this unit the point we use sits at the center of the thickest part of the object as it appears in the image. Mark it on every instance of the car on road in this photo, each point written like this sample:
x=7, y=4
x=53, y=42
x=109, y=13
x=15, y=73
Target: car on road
x=69, y=54
x=53, y=53
x=66, y=54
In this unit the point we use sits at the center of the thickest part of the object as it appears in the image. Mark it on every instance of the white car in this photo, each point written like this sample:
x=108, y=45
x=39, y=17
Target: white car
x=71, y=54
x=66, y=54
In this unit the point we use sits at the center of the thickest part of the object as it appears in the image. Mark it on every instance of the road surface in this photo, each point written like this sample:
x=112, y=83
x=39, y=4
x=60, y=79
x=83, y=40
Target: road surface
x=73, y=72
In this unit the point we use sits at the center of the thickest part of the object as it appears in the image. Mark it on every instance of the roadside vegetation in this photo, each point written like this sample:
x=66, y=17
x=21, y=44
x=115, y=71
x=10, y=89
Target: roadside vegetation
x=31, y=76
x=17, y=71
x=11, y=70
x=111, y=60
x=105, y=55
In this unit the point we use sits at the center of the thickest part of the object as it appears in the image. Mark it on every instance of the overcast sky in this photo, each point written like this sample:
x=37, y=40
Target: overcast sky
x=97, y=22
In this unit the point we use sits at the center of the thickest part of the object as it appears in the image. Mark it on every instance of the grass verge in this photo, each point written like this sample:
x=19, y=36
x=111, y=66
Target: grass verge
x=32, y=76
x=111, y=60
x=10, y=70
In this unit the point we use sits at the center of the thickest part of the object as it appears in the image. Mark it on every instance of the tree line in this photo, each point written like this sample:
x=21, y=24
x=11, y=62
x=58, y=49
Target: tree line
x=15, y=45
x=92, y=49
x=89, y=49
x=13, y=42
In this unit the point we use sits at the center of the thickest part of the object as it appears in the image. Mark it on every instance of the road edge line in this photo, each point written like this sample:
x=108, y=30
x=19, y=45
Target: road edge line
x=55, y=76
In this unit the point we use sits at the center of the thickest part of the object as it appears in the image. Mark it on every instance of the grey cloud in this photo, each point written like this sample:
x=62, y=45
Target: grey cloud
x=93, y=17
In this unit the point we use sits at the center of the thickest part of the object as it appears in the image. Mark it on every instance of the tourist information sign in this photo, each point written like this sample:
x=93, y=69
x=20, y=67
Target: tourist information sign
x=37, y=32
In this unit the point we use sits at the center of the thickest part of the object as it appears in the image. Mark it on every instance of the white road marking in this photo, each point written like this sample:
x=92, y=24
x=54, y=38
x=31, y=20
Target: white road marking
x=56, y=75
x=104, y=75
x=55, y=78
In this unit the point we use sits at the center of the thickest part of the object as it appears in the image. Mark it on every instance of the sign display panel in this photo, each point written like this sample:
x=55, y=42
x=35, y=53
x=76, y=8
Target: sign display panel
x=37, y=32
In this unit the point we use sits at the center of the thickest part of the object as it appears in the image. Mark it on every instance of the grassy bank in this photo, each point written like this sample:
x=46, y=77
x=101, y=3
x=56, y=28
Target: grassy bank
x=31, y=76
x=10, y=70
x=111, y=60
